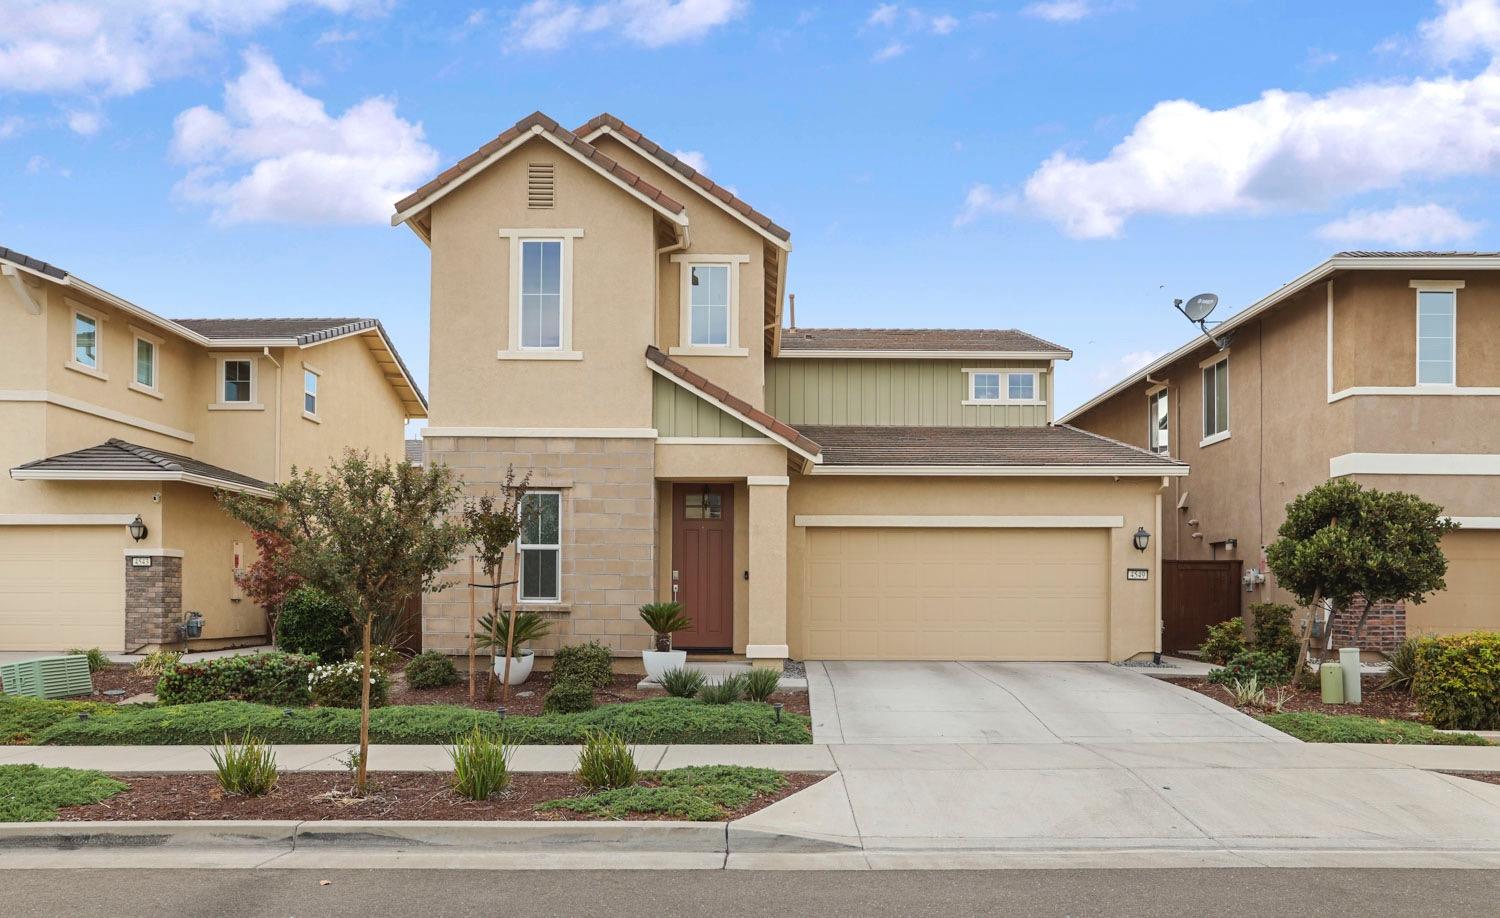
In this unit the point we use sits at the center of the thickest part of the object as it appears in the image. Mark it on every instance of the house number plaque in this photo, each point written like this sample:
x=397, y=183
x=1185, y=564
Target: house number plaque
x=1137, y=573
x=140, y=561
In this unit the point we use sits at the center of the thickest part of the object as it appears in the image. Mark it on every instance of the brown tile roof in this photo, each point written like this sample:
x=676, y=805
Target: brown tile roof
x=717, y=392
x=914, y=339
x=115, y=456
x=1055, y=445
x=414, y=451
x=577, y=144
x=35, y=264
x=690, y=174
x=304, y=331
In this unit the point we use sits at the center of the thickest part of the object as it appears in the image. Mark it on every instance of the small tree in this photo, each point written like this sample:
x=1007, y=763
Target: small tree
x=270, y=580
x=494, y=526
x=1342, y=541
x=370, y=534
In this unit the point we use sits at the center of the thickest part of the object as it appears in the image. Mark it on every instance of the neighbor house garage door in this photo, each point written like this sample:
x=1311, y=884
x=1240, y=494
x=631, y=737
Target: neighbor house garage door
x=1472, y=600
x=956, y=594
x=62, y=587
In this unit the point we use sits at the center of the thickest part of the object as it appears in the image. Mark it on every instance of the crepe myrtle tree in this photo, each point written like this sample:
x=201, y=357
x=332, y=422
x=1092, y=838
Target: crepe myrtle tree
x=494, y=526
x=1342, y=541
x=371, y=534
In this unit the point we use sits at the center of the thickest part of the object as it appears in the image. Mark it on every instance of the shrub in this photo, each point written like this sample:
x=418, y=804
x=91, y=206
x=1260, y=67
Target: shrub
x=481, y=764
x=491, y=633
x=726, y=691
x=1272, y=626
x=31, y=793
x=664, y=618
x=337, y=685
x=591, y=663
x=1311, y=727
x=1225, y=641
x=431, y=669
x=267, y=678
x=1267, y=669
x=156, y=663
x=382, y=655
x=247, y=768
x=605, y=762
x=98, y=659
x=1457, y=685
x=683, y=683
x=313, y=623
x=22, y=717
x=1247, y=693
x=702, y=793
x=570, y=696
x=1403, y=663
x=761, y=683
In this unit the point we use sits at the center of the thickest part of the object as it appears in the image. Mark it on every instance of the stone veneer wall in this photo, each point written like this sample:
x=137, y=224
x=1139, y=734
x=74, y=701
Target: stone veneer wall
x=1383, y=630
x=608, y=535
x=153, y=601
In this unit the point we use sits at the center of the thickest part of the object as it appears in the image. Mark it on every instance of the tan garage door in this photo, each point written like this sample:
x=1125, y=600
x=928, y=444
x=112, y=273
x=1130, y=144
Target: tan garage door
x=62, y=587
x=1472, y=600
x=956, y=594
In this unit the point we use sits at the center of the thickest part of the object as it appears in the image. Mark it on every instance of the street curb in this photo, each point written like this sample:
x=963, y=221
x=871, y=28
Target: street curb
x=70, y=836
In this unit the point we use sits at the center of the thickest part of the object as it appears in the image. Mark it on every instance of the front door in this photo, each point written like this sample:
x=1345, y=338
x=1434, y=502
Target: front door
x=703, y=564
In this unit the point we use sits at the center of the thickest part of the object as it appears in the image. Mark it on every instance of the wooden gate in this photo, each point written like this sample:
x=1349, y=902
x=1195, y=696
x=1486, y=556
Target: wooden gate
x=1195, y=595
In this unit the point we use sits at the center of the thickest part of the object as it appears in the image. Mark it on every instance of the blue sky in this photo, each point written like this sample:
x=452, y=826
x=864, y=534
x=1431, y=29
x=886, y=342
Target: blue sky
x=1064, y=166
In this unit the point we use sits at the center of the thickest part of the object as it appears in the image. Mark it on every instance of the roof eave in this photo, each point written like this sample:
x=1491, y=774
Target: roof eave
x=874, y=353
x=1008, y=471
x=24, y=474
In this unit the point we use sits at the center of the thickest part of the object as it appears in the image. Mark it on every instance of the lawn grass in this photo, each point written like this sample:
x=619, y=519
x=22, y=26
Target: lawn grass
x=1312, y=727
x=31, y=793
x=657, y=720
x=699, y=793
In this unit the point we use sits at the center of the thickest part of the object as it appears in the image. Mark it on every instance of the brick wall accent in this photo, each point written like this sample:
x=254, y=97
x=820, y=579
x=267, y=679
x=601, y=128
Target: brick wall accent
x=1383, y=630
x=608, y=535
x=153, y=601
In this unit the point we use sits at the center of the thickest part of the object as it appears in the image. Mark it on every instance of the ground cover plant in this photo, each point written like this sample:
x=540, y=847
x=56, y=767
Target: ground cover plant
x=699, y=793
x=1312, y=727
x=31, y=793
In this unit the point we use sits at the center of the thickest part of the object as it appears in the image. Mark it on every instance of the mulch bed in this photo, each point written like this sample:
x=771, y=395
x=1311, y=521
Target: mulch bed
x=1388, y=704
x=1488, y=777
x=119, y=676
x=317, y=796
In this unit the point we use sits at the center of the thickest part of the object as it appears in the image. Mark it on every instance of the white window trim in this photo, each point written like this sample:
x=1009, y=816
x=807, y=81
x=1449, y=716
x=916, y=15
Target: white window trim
x=97, y=370
x=564, y=349
x=1151, y=428
x=1203, y=366
x=313, y=416
x=136, y=337
x=522, y=547
x=218, y=403
x=1005, y=375
x=1419, y=288
x=685, y=347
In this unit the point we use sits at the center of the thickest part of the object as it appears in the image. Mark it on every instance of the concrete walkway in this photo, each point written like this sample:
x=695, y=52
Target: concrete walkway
x=921, y=703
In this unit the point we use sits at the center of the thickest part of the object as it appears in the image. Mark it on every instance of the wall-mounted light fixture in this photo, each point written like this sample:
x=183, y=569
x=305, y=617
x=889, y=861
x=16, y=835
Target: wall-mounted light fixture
x=1141, y=539
x=137, y=528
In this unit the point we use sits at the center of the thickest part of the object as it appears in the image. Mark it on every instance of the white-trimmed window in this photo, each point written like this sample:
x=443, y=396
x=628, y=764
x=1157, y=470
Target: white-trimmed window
x=1437, y=337
x=86, y=343
x=1157, y=414
x=1020, y=387
x=985, y=387
x=146, y=362
x=709, y=308
x=1004, y=387
x=541, y=546
x=236, y=384
x=1215, y=399
x=310, y=378
x=541, y=294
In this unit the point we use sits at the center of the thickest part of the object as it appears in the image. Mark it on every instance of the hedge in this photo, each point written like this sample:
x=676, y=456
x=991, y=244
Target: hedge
x=1457, y=684
x=266, y=678
x=657, y=720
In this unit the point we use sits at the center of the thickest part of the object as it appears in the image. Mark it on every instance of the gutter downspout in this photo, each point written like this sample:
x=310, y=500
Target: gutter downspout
x=276, y=476
x=1156, y=657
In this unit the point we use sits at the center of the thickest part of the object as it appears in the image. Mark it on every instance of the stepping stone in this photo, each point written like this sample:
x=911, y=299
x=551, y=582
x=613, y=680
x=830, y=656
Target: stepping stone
x=142, y=698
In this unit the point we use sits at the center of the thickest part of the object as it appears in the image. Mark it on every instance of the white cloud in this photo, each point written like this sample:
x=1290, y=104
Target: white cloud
x=36, y=164
x=983, y=201
x=942, y=24
x=693, y=158
x=546, y=25
x=890, y=52
x=118, y=47
x=337, y=37
x=891, y=15
x=1408, y=226
x=11, y=126
x=883, y=15
x=1465, y=28
x=1125, y=365
x=85, y=123
x=1059, y=10
x=275, y=154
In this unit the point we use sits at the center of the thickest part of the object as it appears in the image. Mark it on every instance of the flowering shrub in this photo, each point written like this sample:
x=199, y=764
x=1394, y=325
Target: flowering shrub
x=336, y=685
x=266, y=678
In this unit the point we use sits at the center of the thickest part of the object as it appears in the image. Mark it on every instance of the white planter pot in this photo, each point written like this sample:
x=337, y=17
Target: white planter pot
x=520, y=667
x=659, y=661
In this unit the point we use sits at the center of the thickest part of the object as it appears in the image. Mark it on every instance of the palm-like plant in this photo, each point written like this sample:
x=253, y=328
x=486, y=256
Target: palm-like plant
x=663, y=618
x=491, y=633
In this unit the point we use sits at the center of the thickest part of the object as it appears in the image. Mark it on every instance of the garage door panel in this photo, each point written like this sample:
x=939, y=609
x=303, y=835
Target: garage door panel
x=61, y=587
x=1472, y=599
x=977, y=594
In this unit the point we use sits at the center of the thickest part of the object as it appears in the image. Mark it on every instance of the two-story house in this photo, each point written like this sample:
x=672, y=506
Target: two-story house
x=609, y=321
x=120, y=425
x=1382, y=367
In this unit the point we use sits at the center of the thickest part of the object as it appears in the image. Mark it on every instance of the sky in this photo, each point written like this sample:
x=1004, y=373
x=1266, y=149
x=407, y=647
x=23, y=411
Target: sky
x=1066, y=167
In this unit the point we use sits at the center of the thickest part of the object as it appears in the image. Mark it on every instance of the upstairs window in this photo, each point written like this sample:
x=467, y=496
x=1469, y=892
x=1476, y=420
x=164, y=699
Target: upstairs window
x=309, y=392
x=145, y=363
x=1020, y=387
x=709, y=285
x=86, y=340
x=237, y=380
x=986, y=387
x=1002, y=387
x=541, y=293
x=1216, y=400
x=1437, y=314
x=1157, y=409
x=541, y=546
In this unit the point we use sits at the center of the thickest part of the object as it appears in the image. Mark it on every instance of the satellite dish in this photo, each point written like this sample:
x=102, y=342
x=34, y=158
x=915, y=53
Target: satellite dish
x=1198, y=308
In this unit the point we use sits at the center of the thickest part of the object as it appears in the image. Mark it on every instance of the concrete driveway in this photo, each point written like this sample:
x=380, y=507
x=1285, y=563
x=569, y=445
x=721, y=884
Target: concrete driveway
x=981, y=703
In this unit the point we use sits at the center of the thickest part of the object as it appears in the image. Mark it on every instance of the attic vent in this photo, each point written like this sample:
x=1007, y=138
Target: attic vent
x=541, y=184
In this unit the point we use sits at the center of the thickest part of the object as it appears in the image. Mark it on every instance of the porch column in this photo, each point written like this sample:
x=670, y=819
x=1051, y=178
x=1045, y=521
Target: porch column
x=766, y=641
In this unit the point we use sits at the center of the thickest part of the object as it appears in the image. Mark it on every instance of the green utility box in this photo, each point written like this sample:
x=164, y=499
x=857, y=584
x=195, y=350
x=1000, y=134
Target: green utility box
x=1332, y=677
x=48, y=677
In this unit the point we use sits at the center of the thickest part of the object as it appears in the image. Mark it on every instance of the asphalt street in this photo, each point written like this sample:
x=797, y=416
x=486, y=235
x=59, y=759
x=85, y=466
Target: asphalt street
x=1224, y=893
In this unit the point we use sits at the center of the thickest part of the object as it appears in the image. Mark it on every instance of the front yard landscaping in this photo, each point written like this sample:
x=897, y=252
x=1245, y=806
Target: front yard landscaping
x=1386, y=704
x=1312, y=727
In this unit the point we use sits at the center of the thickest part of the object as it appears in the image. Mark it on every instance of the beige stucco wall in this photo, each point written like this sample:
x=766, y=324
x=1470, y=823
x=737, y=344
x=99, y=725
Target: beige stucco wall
x=1133, y=604
x=916, y=392
x=357, y=408
x=1375, y=328
x=193, y=523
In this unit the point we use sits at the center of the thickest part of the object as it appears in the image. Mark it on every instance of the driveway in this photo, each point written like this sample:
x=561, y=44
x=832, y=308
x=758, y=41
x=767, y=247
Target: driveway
x=980, y=703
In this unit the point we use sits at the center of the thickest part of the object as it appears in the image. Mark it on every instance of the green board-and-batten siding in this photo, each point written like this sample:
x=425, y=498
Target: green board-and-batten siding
x=676, y=412
x=927, y=393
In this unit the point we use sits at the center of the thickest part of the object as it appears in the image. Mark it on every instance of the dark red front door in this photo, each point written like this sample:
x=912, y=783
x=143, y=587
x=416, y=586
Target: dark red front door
x=703, y=564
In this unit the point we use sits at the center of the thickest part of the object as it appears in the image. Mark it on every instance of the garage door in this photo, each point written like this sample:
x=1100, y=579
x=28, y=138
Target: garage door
x=1472, y=600
x=956, y=594
x=62, y=587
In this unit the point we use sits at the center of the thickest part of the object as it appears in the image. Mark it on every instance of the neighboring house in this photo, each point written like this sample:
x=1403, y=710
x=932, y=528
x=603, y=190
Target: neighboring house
x=1382, y=367
x=114, y=414
x=609, y=321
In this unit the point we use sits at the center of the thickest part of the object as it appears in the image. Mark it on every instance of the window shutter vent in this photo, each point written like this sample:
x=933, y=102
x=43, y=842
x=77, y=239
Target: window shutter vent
x=541, y=185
